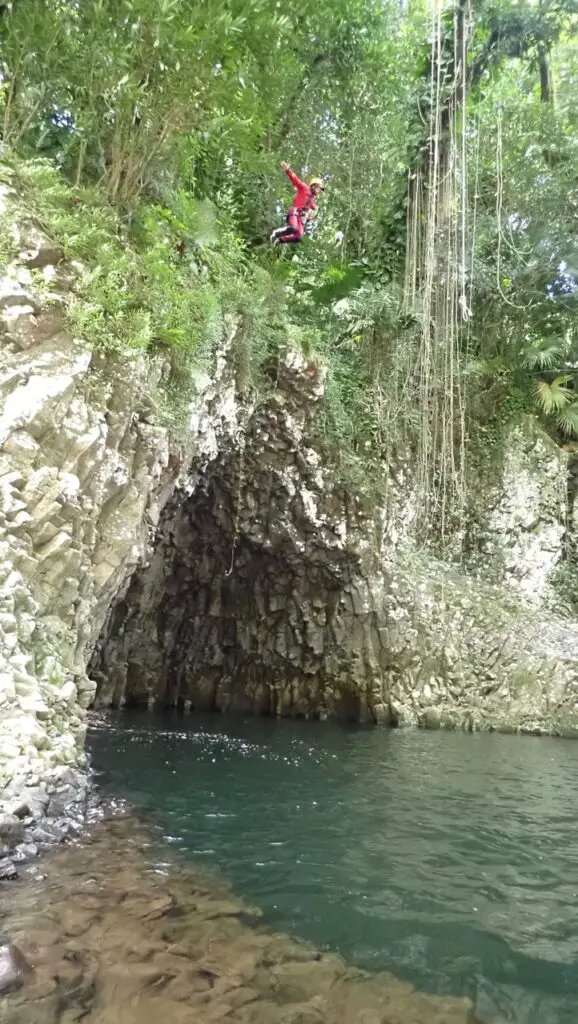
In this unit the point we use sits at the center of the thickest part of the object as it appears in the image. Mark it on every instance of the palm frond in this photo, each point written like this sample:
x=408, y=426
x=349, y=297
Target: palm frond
x=567, y=419
x=552, y=398
x=542, y=356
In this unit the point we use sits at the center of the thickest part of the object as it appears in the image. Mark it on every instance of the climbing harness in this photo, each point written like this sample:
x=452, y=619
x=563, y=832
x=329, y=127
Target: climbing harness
x=311, y=224
x=304, y=210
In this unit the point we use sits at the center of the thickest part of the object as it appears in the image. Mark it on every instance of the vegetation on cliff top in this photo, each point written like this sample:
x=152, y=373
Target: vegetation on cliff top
x=167, y=123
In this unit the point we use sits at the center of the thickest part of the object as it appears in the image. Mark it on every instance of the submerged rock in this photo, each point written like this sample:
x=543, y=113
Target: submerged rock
x=47, y=834
x=15, y=970
x=111, y=940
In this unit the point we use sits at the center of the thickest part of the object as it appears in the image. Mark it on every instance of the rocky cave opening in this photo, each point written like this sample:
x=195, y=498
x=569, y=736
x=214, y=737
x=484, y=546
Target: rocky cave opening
x=252, y=599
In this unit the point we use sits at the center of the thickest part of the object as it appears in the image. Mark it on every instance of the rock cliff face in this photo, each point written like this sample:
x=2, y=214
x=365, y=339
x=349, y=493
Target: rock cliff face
x=84, y=473
x=521, y=514
x=236, y=572
x=274, y=591
x=256, y=597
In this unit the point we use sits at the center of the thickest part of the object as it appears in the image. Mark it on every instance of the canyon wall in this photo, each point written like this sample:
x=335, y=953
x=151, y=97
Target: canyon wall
x=235, y=571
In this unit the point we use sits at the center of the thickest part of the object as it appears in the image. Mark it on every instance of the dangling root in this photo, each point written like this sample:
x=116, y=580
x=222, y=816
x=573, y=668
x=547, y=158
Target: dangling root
x=437, y=284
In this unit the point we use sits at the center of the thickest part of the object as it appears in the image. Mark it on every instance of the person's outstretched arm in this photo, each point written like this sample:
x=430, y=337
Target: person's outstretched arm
x=293, y=177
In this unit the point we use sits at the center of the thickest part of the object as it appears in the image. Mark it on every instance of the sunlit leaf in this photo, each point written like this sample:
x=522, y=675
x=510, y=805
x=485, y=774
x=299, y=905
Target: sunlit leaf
x=552, y=397
x=542, y=356
x=567, y=419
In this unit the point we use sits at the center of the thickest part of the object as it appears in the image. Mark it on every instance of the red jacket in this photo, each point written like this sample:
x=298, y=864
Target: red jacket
x=304, y=198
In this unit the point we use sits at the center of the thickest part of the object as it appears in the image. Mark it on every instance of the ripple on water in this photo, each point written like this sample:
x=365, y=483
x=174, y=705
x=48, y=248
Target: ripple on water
x=451, y=860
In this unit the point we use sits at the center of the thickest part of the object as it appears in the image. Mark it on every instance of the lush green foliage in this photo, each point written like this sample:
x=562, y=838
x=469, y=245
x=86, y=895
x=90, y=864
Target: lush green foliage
x=153, y=282
x=168, y=121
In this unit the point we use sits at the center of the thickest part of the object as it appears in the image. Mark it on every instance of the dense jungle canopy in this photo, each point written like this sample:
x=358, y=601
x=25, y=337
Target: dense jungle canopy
x=439, y=288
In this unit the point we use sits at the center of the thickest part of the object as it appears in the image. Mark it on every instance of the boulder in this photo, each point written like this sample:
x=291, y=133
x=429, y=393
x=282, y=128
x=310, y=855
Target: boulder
x=61, y=801
x=11, y=829
x=30, y=803
x=7, y=870
x=25, y=851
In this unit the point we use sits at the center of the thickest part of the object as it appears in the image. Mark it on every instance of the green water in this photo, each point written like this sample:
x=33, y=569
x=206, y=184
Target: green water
x=449, y=859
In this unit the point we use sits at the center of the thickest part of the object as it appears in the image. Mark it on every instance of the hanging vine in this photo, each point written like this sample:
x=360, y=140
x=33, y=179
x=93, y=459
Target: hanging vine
x=437, y=282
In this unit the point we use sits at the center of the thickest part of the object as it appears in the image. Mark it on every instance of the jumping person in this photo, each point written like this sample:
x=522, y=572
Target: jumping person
x=303, y=209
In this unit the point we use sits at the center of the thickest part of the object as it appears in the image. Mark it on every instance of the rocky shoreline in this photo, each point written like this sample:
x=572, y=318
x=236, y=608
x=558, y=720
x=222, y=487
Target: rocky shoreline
x=35, y=818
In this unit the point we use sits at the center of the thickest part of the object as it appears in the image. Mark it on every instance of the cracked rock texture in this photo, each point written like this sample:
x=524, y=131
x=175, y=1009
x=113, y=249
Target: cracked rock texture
x=520, y=515
x=256, y=598
x=84, y=473
x=272, y=590
x=237, y=573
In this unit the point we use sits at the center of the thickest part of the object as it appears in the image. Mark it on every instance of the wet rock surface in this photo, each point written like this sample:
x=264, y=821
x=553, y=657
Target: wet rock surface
x=34, y=819
x=114, y=936
x=15, y=970
x=255, y=598
x=7, y=869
